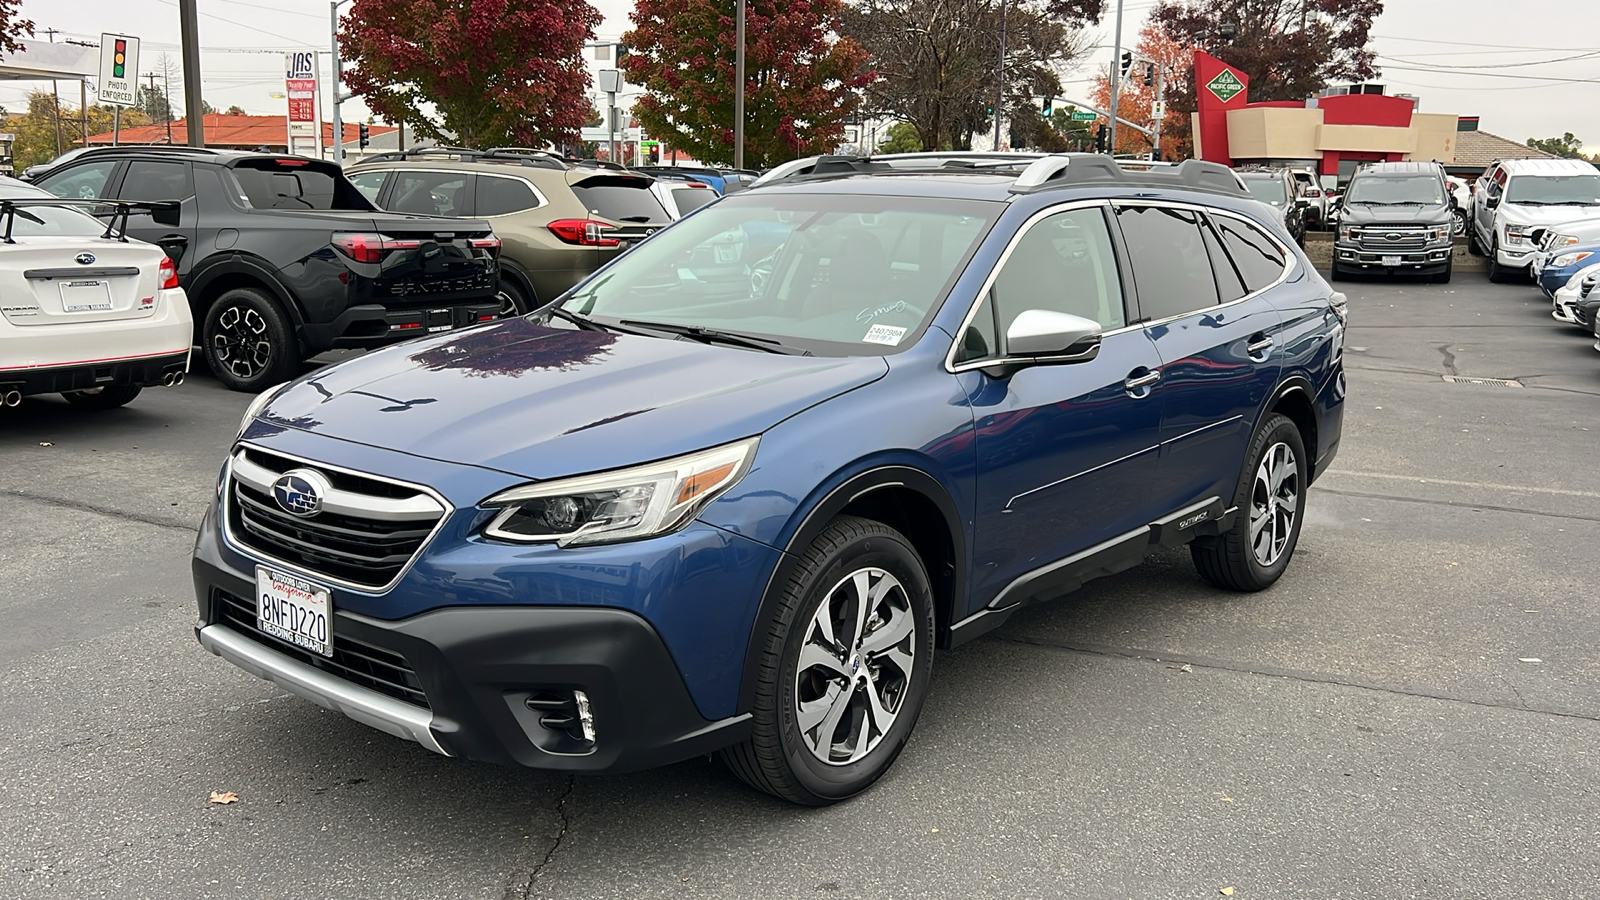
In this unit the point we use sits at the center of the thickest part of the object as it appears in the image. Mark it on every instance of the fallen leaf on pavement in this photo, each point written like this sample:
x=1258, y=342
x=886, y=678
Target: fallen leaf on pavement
x=1226, y=892
x=1533, y=659
x=1183, y=668
x=46, y=444
x=221, y=797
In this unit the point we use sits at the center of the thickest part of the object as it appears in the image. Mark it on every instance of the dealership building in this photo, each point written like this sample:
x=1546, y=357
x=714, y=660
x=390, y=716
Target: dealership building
x=1333, y=133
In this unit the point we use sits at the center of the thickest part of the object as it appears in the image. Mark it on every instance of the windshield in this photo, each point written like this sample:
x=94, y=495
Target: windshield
x=1378, y=190
x=837, y=275
x=1267, y=190
x=1554, y=189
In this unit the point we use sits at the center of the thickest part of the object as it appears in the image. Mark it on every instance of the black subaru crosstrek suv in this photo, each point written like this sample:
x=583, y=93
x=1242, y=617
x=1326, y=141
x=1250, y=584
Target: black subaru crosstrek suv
x=283, y=259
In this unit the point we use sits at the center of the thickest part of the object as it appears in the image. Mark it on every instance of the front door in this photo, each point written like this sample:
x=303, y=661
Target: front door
x=1066, y=453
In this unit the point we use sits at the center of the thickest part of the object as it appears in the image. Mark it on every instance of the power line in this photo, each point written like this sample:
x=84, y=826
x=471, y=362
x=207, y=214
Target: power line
x=297, y=41
x=1380, y=37
x=1545, y=78
x=1517, y=65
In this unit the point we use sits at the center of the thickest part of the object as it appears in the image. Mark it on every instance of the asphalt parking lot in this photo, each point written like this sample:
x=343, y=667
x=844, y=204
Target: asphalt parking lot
x=1414, y=710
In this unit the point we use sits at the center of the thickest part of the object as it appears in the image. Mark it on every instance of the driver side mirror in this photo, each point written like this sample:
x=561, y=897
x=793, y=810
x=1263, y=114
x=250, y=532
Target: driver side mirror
x=1044, y=337
x=1491, y=202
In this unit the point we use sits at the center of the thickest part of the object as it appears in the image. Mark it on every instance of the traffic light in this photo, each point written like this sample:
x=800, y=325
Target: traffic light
x=119, y=62
x=1127, y=63
x=1100, y=138
x=1046, y=109
x=655, y=154
x=366, y=135
x=1149, y=74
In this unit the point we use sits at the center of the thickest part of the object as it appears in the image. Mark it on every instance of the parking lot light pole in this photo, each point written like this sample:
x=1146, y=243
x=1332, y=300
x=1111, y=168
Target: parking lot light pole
x=189, y=25
x=338, y=99
x=1116, y=80
x=738, y=86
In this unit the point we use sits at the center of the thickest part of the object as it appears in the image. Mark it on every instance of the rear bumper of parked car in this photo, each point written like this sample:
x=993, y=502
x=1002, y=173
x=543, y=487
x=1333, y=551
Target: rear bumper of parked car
x=499, y=684
x=1426, y=261
x=372, y=325
x=43, y=359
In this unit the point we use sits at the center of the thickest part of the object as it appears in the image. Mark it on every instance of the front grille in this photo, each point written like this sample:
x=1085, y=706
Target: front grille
x=364, y=551
x=1377, y=240
x=372, y=667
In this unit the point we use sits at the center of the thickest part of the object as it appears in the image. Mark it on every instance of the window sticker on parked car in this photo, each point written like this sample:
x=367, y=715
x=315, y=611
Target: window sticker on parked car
x=884, y=334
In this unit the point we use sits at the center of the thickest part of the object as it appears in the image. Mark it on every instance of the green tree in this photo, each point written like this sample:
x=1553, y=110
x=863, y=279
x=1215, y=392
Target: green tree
x=36, y=128
x=801, y=78
x=475, y=72
x=153, y=103
x=901, y=137
x=1566, y=146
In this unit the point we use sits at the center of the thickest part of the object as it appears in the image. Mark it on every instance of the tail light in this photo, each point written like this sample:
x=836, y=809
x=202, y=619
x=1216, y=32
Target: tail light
x=369, y=248
x=583, y=232
x=168, y=273
x=490, y=243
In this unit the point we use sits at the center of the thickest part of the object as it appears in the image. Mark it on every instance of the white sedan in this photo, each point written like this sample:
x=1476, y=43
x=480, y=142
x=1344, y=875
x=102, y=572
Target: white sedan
x=84, y=311
x=1570, y=294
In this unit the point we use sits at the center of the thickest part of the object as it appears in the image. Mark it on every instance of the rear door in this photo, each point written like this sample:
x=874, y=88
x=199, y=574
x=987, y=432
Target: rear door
x=158, y=180
x=1215, y=337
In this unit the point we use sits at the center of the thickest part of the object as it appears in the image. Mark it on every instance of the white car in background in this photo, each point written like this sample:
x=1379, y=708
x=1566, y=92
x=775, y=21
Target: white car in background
x=1568, y=296
x=84, y=311
x=681, y=195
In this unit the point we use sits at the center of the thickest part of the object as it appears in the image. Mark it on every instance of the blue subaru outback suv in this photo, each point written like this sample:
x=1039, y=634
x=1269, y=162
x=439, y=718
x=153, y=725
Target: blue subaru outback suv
x=735, y=491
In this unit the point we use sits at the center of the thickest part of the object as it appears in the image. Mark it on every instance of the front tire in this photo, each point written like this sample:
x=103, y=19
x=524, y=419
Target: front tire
x=1256, y=548
x=248, y=341
x=1444, y=277
x=108, y=397
x=844, y=670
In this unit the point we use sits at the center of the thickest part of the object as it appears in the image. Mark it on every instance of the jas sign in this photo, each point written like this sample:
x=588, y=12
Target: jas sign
x=300, y=84
x=119, y=70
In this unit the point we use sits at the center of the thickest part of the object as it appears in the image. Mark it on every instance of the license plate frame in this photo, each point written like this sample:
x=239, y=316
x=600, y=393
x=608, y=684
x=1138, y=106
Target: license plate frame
x=294, y=610
x=86, y=295
x=1391, y=260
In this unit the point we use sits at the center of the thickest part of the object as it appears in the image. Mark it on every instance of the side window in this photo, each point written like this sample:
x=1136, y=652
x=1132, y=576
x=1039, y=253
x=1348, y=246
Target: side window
x=85, y=182
x=1230, y=284
x=155, y=181
x=499, y=196
x=430, y=193
x=370, y=184
x=1064, y=263
x=1260, y=261
x=1170, y=263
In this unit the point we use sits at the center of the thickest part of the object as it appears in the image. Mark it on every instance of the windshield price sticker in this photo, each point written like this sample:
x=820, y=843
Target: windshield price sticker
x=884, y=334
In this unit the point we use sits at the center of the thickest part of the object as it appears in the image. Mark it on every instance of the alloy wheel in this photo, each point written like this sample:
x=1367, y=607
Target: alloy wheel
x=1274, y=502
x=855, y=666
x=242, y=343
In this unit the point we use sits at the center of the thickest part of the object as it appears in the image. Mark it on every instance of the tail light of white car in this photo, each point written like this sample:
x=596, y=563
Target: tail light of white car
x=168, y=274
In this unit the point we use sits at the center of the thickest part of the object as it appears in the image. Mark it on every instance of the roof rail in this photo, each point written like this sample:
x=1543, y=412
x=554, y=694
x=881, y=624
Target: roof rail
x=161, y=148
x=1062, y=170
x=600, y=164
x=884, y=162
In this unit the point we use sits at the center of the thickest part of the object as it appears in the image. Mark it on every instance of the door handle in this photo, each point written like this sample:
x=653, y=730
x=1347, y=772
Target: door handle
x=1259, y=347
x=1138, y=386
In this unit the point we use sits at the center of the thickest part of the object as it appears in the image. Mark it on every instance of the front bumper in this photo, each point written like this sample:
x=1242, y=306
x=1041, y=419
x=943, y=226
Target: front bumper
x=1425, y=261
x=484, y=683
x=1515, y=257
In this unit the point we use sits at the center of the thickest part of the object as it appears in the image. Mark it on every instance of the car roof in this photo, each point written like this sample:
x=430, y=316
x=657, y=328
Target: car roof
x=11, y=189
x=221, y=156
x=1400, y=168
x=1546, y=166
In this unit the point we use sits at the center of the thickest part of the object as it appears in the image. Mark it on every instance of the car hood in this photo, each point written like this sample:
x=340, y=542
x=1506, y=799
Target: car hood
x=1523, y=214
x=1362, y=214
x=544, y=402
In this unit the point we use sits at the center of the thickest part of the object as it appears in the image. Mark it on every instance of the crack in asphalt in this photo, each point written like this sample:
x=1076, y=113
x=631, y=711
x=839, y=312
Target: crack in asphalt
x=80, y=506
x=1200, y=662
x=1449, y=360
x=1458, y=505
x=521, y=888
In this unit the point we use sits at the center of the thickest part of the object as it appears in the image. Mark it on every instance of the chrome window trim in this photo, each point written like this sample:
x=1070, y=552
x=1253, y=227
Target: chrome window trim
x=538, y=195
x=320, y=577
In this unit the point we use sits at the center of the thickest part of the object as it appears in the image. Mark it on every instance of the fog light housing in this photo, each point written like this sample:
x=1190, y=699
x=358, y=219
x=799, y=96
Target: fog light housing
x=585, y=715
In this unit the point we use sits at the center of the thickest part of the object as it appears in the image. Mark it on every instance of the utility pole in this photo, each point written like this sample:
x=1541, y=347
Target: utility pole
x=738, y=87
x=1116, y=78
x=189, y=22
x=166, y=95
x=55, y=92
x=1000, y=76
x=338, y=70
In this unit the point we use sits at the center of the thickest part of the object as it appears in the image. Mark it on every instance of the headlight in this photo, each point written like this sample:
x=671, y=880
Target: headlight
x=1439, y=233
x=1567, y=259
x=623, y=505
x=258, y=404
x=1518, y=234
x=1347, y=232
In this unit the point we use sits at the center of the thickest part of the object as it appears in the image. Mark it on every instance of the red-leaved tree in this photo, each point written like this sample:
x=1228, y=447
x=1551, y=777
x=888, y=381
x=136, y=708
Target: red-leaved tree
x=11, y=27
x=1136, y=98
x=494, y=72
x=801, y=79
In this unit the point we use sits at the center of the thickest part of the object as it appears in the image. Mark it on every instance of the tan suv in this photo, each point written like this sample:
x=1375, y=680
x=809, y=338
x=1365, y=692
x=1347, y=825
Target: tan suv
x=557, y=220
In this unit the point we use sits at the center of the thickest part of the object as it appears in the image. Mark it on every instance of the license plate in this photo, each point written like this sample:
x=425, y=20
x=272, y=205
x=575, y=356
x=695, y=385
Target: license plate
x=1391, y=260
x=294, y=610
x=85, y=296
x=727, y=253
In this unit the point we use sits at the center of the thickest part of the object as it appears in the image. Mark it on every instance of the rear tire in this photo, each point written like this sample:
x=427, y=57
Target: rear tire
x=840, y=684
x=1473, y=247
x=108, y=397
x=1497, y=273
x=513, y=299
x=249, y=342
x=1257, y=547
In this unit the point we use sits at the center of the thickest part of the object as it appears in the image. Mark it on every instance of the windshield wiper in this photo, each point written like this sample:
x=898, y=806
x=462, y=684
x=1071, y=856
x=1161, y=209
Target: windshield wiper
x=716, y=336
x=578, y=319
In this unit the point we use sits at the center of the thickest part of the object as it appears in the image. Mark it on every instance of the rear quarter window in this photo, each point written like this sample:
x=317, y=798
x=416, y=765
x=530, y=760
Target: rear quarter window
x=292, y=184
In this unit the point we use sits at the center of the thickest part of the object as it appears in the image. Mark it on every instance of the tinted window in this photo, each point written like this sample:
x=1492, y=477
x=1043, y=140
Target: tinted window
x=1395, y=190
x=500, y=196
x=689, y=199
x=270, y=186
x=430, y=193
x=155, y=181
x=1267, y=190
x=369, y=183
x=83, y=182
x=620, y=200
x=1258, y=259
x=1230, y=286
x=1170, y=263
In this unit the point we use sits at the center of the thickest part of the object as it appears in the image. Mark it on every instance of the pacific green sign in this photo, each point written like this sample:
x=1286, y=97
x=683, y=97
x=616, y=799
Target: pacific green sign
x=1226, y=85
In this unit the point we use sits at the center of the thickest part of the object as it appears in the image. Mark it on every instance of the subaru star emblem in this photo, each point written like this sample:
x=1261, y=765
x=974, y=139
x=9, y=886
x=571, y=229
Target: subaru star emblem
x=85, y=259
x=300, y=491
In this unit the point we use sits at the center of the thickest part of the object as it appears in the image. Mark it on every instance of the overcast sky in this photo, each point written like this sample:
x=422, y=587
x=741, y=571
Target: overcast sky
x=1501, y=69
